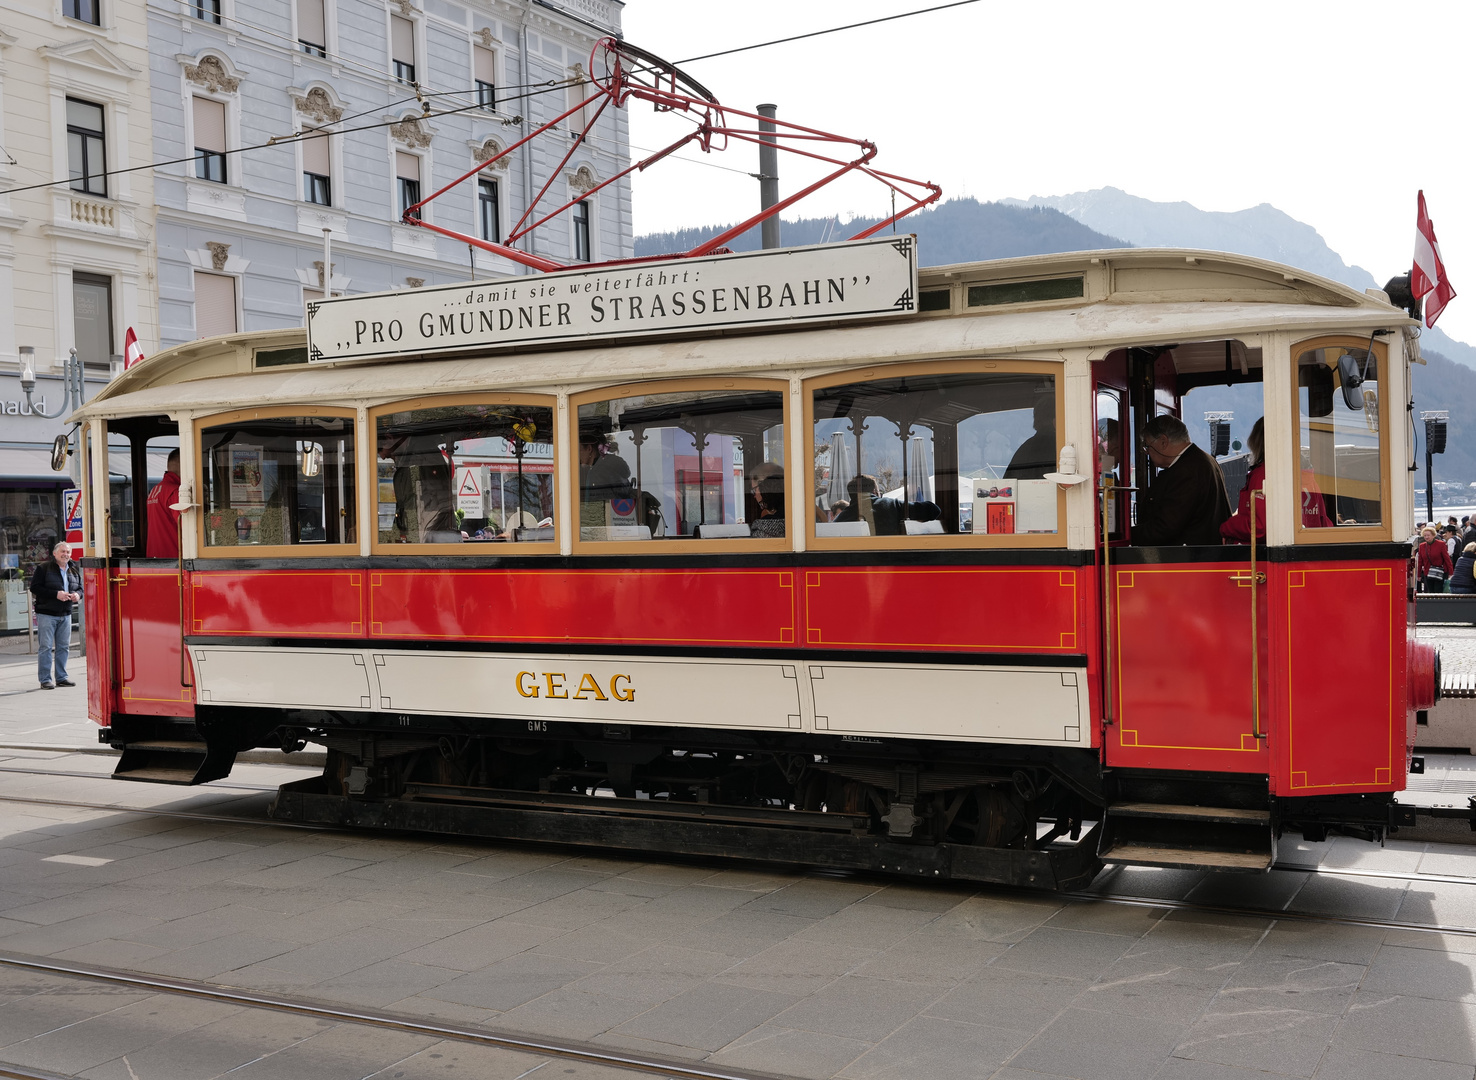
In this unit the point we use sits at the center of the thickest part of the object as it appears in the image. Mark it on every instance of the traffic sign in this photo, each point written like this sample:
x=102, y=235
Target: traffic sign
x=72, y=501
x=469, y=493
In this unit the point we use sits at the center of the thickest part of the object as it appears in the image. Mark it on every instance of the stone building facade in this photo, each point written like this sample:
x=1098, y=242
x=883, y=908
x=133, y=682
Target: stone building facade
x=240, y=243
x=77, y=257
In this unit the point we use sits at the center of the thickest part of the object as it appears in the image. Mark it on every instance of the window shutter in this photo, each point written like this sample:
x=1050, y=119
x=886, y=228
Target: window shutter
x=310, y=22
x=315, y=155
x=485, y=61
x=210, y=125
x=407, y=166
x=402, y=39
x=215, y=304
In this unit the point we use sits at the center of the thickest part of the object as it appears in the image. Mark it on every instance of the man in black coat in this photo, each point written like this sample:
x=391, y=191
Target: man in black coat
x=56, y=586
x=1187, y=499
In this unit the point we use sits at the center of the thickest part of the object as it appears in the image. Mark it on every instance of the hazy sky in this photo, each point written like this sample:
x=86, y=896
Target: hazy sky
x=1335, y=112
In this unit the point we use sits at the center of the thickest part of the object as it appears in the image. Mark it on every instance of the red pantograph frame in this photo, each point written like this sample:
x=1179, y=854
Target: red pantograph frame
x=631, y=72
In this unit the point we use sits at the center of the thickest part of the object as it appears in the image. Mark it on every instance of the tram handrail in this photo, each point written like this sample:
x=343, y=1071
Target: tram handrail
x=1256, y=579
x=1107, y=655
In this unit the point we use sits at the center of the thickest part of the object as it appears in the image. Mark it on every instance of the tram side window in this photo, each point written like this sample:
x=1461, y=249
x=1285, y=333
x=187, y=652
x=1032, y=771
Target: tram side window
x=936, y=454
x=465, y=473
x=284, y=480
x=704, y=464
x=1340, y=448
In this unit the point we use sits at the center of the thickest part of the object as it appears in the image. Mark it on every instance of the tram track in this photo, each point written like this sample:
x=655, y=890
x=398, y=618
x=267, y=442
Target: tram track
x=477, y=1035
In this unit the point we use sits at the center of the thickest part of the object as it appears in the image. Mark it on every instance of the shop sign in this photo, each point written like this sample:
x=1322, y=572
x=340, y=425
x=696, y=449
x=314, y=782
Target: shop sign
x=824, y=283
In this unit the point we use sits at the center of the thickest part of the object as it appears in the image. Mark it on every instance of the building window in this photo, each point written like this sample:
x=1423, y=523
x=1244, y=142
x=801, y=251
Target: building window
x=210, y=140
x=485, y=73
x=88, y=11
x=312, y=34
x=86, y=154
x=402, y=48
x=581, y=231
x=488, y=216
x=215, y=304
x=92, y=318
x=407, y=180
x=316, y=185
x=206, y=10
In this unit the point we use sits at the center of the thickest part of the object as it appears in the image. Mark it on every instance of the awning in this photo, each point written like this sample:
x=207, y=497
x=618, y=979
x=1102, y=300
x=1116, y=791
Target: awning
x=31, y=465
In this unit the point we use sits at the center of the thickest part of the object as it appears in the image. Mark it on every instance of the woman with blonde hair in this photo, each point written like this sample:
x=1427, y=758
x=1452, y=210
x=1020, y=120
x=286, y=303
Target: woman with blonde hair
x=1432, y=562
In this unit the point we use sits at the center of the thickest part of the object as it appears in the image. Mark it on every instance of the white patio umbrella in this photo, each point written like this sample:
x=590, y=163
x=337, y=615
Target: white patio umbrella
x=919, y=471
x=842, y=470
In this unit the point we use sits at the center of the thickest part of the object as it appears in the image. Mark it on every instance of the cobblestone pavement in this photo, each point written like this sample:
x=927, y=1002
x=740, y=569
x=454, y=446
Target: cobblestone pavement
x=753, y=967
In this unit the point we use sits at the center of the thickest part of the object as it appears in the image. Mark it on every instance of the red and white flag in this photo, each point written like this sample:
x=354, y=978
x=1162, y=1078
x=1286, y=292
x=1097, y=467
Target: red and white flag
x=1428, y=276
x=132, y=351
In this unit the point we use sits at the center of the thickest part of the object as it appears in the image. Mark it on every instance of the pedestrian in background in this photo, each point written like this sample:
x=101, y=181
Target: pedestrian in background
x=56, y=586
x=1463, y=580
x=1432, y=562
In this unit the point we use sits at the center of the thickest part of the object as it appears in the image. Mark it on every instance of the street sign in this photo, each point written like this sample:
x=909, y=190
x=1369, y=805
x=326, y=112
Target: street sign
x=72, y=510
x=469, y=493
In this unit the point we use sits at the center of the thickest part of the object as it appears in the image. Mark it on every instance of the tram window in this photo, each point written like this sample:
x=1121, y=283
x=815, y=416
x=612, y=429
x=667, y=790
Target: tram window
x=465, y=473
x=704, y=464
x=279, y=481
x=936, y=453
x=1340, y=448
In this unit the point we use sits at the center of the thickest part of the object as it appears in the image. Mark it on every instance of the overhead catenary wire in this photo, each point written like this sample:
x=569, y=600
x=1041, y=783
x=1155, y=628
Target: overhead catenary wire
x=830, y=30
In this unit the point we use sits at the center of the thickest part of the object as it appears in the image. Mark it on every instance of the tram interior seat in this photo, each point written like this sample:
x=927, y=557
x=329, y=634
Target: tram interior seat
x=923, y=528
x=442, y=536
x=726, y=531
x=843, y=528
x=542, y=533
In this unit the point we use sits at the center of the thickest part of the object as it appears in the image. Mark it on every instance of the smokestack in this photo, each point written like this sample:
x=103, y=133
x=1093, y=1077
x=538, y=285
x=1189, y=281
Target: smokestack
x=768, y=178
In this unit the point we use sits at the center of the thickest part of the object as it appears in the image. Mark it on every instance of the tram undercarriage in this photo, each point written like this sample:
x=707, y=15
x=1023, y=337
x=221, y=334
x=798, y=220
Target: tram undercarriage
x=1036, y=817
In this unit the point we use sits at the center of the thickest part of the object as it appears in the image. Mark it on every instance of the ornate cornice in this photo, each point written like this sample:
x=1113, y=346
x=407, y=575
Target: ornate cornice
x=210, y=73
x=404, y=7
x=582, y=180
x=220, y=253
x=410, y=132
x=485, y=38
x=317, y=105
x=490, y=150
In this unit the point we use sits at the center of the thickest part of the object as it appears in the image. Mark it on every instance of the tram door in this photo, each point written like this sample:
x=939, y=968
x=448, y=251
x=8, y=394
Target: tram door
x=1177, y=633
x=145, y=595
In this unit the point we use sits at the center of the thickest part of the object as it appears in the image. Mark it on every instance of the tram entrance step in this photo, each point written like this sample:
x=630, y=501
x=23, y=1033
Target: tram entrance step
x=1188, y=837
x=168, y=762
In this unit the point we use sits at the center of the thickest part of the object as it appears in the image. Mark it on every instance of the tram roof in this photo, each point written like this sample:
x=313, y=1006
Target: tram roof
x=1140, y=296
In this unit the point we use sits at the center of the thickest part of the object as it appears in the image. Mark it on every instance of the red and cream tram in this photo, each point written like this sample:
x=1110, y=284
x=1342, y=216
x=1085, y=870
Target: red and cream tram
x=847, y=581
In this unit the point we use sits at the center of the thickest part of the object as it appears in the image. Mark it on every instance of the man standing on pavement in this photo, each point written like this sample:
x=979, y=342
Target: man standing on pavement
x=56, y=586
x=163, y=536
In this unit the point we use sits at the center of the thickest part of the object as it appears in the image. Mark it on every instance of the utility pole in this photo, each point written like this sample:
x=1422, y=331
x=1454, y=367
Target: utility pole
x=768, y=176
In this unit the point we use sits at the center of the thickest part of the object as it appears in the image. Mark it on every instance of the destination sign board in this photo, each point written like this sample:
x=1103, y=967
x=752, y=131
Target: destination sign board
x=824, y=283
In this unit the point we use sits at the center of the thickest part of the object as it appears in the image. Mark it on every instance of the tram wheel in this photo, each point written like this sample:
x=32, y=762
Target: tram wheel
x=988, y=817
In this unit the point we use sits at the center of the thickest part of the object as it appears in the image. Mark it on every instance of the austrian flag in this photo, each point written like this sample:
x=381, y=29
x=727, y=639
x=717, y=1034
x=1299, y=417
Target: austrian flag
x=1428, y=276
x=132, y=351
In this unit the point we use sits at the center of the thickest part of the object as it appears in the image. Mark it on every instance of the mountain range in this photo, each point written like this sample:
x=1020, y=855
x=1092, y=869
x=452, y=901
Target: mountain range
x=965, y=230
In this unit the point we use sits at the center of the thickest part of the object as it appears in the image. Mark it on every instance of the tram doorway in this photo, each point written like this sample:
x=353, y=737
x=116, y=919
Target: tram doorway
x=1169, y=610
x=145, y=596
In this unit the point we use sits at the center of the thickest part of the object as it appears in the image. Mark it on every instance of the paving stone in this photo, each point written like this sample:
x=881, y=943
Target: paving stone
x=1156, y=986
x=707, y=1017
x=1074, y=953
x=1395, y=857
x=1152, y=882
x=110, y=952
x=738, y=933
x=1012, y=999
x=937, y=898
x=877, y=925
x=1324, y=941
x=1268, y=981
x=933, y=955
x=572, y=1013
x=1421, y=973
x=378, y=985
x=1267, y=892
x=813, y=899
x=58, y=937
x=939, y=1050
x=480, y=945
x=230, y=1042
x=509, y=983
x=1287, y=1040
x=539, y=885
x=1107, y=918
x=577, y=909
x=656, y=974
x=1346, y=1064
x=1359, y=897
x=87, y=1043
x=299, y=872
x=1101, y=1046
x=859, y=1008
x=441, y=1060
x=776, y=1049
x=216, y=922
x=1438, y=903
x=1185, y=1069
x=795, y=967
x=210, y=959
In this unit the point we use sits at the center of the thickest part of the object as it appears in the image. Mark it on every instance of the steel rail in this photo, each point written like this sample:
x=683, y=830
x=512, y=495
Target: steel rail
x=466, y=1033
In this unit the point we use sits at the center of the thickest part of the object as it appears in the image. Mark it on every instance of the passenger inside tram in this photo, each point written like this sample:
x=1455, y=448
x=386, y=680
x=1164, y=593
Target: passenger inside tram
x=945, y=453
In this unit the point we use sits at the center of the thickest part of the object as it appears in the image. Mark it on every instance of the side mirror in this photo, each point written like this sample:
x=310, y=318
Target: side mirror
x=1350, y=375
x=1319, y=383
x=59, y=454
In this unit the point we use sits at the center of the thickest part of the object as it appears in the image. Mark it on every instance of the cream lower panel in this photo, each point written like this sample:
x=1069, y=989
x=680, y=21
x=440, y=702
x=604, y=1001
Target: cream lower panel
x=304, y=678
x=1018, y=705
x=753, y=694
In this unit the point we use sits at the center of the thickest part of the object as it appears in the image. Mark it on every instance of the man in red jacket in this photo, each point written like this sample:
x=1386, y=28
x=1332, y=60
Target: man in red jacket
x=163, y=533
